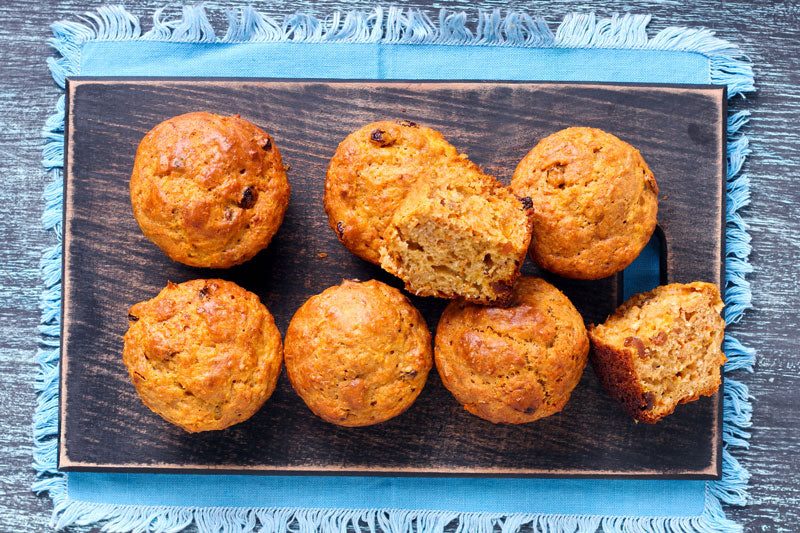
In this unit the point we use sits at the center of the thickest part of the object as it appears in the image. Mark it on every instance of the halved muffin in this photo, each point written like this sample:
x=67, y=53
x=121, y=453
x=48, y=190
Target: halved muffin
x=660, y=349
x=463, y=239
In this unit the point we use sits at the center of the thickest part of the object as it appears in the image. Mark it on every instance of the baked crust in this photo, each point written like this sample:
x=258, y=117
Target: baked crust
x=209, y=190
x=204, y=354
x=594, y=199
x=517, y=364
x=615, y=371
x=358, y=353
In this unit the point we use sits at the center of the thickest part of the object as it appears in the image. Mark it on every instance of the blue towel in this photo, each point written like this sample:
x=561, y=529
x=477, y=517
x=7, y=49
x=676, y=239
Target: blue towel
x=396, y=44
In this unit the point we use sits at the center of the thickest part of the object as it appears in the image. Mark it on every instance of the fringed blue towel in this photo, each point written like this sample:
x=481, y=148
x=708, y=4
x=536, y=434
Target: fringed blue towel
x=390, y=44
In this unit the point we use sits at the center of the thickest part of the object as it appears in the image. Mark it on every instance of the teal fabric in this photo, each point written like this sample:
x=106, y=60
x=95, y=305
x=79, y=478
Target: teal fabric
x=396, y=44
x=380, y=61
x=398, y=61
x=503, y=495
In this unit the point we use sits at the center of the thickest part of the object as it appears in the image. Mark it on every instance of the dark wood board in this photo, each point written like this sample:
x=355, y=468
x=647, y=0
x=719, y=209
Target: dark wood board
x=109, y=265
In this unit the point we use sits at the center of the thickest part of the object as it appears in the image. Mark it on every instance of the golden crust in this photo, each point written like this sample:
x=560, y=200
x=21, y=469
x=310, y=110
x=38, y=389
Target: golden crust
x=373, y=170
x=594, y=200
x=660, y=349
x=358, y=353
x=517, y=364
x=209, y=190
x=204, y=354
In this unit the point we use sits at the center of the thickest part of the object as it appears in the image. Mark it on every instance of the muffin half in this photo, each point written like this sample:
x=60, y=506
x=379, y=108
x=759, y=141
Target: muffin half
x=661, y=348
x=466, y=239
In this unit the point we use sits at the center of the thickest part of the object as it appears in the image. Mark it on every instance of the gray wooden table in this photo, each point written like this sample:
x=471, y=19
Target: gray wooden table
x=769, y=32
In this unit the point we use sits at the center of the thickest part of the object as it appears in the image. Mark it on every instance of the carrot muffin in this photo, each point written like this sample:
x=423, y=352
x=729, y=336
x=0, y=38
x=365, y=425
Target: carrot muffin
x=358, y=353
x=204, y=354
x=660, y=349
x=594, y=202
x=374, y=169
x=516, y=364
x=209, y=190
x=466, y=238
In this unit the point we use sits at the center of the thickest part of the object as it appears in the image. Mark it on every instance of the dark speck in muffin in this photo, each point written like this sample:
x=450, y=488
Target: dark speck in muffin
x=249, y=196
x=650, y=401
x=378, y=136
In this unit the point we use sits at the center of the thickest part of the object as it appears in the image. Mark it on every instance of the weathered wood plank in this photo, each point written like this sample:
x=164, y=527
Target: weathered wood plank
x=767, y=31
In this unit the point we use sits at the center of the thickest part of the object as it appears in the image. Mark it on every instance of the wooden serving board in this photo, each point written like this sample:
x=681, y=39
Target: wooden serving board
x=109, y=265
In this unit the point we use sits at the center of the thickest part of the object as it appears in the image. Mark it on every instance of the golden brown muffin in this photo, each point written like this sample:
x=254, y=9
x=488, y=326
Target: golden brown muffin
x=660, y=349
x=465, y=238
x=594, y=202
x=374, y=169
x=358, y=353
x=209, y=190
x=204, y=354
x=516, y=364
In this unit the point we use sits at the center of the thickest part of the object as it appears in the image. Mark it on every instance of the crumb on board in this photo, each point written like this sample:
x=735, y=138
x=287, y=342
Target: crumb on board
x=286, y=167
x=665, y=197
x=322, y=255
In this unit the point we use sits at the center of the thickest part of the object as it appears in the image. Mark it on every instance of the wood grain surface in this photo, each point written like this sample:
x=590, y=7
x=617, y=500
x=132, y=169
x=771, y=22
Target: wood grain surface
x=769, y=32
x=109, y=266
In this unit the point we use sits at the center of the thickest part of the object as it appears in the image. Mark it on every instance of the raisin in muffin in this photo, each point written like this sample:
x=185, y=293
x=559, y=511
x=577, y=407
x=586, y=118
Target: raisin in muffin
x=464, y=238
x=660, y=349
x=517, y=364
x=358, y=353
x=204, y=354
x=209, y=190
x=594, y=202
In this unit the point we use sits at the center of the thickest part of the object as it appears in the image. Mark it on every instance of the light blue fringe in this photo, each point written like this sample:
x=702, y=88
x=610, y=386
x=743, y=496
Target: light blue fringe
x=394, y=26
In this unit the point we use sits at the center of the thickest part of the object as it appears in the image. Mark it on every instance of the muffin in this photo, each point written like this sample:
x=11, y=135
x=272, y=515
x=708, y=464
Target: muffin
x=374, y=169
x=660, y=349
x=594, y=202
x=517, y=364
x=461, y=239
x=204, y=354
x=358, y=353
x=209, y=190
